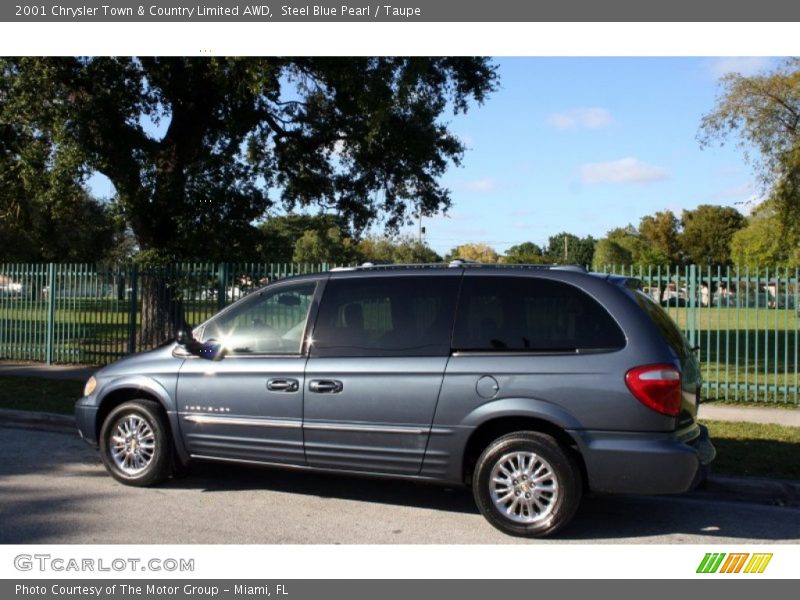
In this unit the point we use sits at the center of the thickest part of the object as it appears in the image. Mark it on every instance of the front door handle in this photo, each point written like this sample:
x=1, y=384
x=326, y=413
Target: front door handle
x=283, y=385
x=325, y=386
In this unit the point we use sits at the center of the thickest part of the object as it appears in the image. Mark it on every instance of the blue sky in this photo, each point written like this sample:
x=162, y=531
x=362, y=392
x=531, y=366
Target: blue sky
x=588, y=144
x=584, y=145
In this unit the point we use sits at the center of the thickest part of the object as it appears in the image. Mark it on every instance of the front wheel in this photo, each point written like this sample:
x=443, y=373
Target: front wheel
x=526, y=484
x=135, y=444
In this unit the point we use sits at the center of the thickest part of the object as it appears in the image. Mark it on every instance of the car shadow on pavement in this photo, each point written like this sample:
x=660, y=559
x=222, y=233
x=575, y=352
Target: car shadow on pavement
x=212, y=477
x=599, y=517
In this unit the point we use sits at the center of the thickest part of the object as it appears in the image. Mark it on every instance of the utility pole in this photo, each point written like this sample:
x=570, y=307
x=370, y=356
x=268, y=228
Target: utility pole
x=566, y=249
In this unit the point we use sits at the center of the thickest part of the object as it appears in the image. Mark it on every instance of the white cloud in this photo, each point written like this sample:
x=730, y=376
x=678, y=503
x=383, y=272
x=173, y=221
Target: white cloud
x=737, y=191
x=624, y=170
x=479, y=185
x=574, y=118
x=744, y=65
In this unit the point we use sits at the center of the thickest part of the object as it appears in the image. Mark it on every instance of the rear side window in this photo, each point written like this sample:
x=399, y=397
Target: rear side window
x=531, y=315
x=665, y=325
x=386, y=316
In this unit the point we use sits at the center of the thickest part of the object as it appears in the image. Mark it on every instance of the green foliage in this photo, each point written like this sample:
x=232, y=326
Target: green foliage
x=360, y=135
x=525, y=253
x=400, y=250
x=609, y=252
x=763, y=112
x=660, y=235
x=327, y=245
x=480, y=252
x=760, y=243
x=278, y=235
x=707, y=233
x=579, y=251
x=44, y=216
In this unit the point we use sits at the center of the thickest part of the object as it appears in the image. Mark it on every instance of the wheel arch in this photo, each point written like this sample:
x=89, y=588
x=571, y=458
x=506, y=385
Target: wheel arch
x=494, y=427
x=140, y=388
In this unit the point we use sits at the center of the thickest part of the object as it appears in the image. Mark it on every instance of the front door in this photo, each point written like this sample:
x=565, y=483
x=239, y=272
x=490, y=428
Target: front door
x=380, y=347
x=249, y=405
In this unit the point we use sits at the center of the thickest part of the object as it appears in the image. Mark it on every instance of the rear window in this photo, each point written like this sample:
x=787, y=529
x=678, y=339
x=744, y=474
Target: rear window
x=531, y=315
x=665, y=325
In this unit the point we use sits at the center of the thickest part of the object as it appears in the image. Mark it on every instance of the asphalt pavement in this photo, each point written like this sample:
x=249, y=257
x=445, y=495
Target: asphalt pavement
x=53, y=489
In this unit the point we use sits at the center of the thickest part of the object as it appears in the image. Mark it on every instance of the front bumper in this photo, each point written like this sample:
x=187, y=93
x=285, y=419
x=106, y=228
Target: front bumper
x=644, y=463
x=86, y=417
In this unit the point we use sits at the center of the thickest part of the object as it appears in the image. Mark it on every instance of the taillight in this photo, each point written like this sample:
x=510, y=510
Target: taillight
x=658, y=387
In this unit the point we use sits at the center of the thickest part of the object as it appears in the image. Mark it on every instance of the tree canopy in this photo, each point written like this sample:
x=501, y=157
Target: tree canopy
x=762, y=114
x=199, y=148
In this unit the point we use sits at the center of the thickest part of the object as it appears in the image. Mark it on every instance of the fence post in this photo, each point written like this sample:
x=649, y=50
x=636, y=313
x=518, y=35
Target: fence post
x=51, y=312
x=222, y=280
x=132, y=306
x=692, y=323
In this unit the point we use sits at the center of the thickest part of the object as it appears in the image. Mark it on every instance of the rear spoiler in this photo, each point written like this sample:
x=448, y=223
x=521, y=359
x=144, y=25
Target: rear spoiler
x=632, y=283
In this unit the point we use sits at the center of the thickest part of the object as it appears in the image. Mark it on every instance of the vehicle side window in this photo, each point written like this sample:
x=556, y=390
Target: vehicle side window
x=531, y=314
x=386, y=316
x=267, y=322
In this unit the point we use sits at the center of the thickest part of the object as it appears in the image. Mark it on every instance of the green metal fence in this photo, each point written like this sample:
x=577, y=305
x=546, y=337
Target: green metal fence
x=88, y=314
x=744, y=323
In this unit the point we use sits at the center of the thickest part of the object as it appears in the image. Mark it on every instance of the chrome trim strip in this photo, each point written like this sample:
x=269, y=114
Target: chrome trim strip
x=365, y=428
x=253, y=422
x=256, y=422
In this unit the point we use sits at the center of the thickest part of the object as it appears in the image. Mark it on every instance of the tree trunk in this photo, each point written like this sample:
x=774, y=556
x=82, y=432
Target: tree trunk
x=162, y=307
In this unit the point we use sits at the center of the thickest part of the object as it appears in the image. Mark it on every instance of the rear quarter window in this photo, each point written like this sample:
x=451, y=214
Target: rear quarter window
x=531, y=314
x=668, y=329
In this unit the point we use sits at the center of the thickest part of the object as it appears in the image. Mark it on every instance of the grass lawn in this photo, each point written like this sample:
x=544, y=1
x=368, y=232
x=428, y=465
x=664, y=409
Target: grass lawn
x=755, y=450
x=34, y=393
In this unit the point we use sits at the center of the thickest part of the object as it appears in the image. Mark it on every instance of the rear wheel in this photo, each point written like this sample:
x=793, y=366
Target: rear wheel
x=135, y=444
x=526, y=484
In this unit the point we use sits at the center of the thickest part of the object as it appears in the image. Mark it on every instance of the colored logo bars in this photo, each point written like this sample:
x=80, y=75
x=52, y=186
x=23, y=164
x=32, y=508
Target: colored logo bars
x=734, y=563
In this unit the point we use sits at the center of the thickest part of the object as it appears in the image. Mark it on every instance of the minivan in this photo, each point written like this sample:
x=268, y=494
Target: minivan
x=531, y=384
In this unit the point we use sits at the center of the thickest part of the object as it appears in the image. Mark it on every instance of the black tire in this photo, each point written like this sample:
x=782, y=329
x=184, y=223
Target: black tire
x=154, y=461
x=539, y=517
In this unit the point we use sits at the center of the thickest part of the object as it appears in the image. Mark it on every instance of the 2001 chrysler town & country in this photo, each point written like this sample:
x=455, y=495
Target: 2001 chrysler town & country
x=531, y=384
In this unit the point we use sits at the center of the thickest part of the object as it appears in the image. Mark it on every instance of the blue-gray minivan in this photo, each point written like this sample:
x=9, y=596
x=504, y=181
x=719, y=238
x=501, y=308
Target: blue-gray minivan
x=531, y=384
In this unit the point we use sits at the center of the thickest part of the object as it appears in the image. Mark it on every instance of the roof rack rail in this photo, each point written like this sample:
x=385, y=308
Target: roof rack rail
x=459, y=263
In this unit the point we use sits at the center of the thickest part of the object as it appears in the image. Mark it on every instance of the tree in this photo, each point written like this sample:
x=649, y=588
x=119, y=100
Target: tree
x=579, y=251
x=638, y=250
x=278, y=235
x=328, y=245
x=525, y=253
x=707, y=233
x=661, y=237
x=758, y=244
x=608, y=253
x=200, y=148
x=480, y=252
x=763, y=112
x=400, y=250
x=43, y=215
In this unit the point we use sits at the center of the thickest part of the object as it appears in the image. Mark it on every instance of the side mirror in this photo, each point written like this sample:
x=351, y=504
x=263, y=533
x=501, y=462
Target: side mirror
x=184, y=337
x=211, y=350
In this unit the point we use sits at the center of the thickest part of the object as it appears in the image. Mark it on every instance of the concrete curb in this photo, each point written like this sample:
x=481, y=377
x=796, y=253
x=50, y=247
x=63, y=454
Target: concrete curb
x=776, y=492
x=29, y=419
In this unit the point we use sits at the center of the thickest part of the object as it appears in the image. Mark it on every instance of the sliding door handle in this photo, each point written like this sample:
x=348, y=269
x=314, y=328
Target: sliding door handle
x=325, y=386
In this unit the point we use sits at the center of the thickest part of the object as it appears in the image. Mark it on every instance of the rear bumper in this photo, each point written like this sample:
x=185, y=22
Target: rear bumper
x=85, y=417
x=644, y=463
